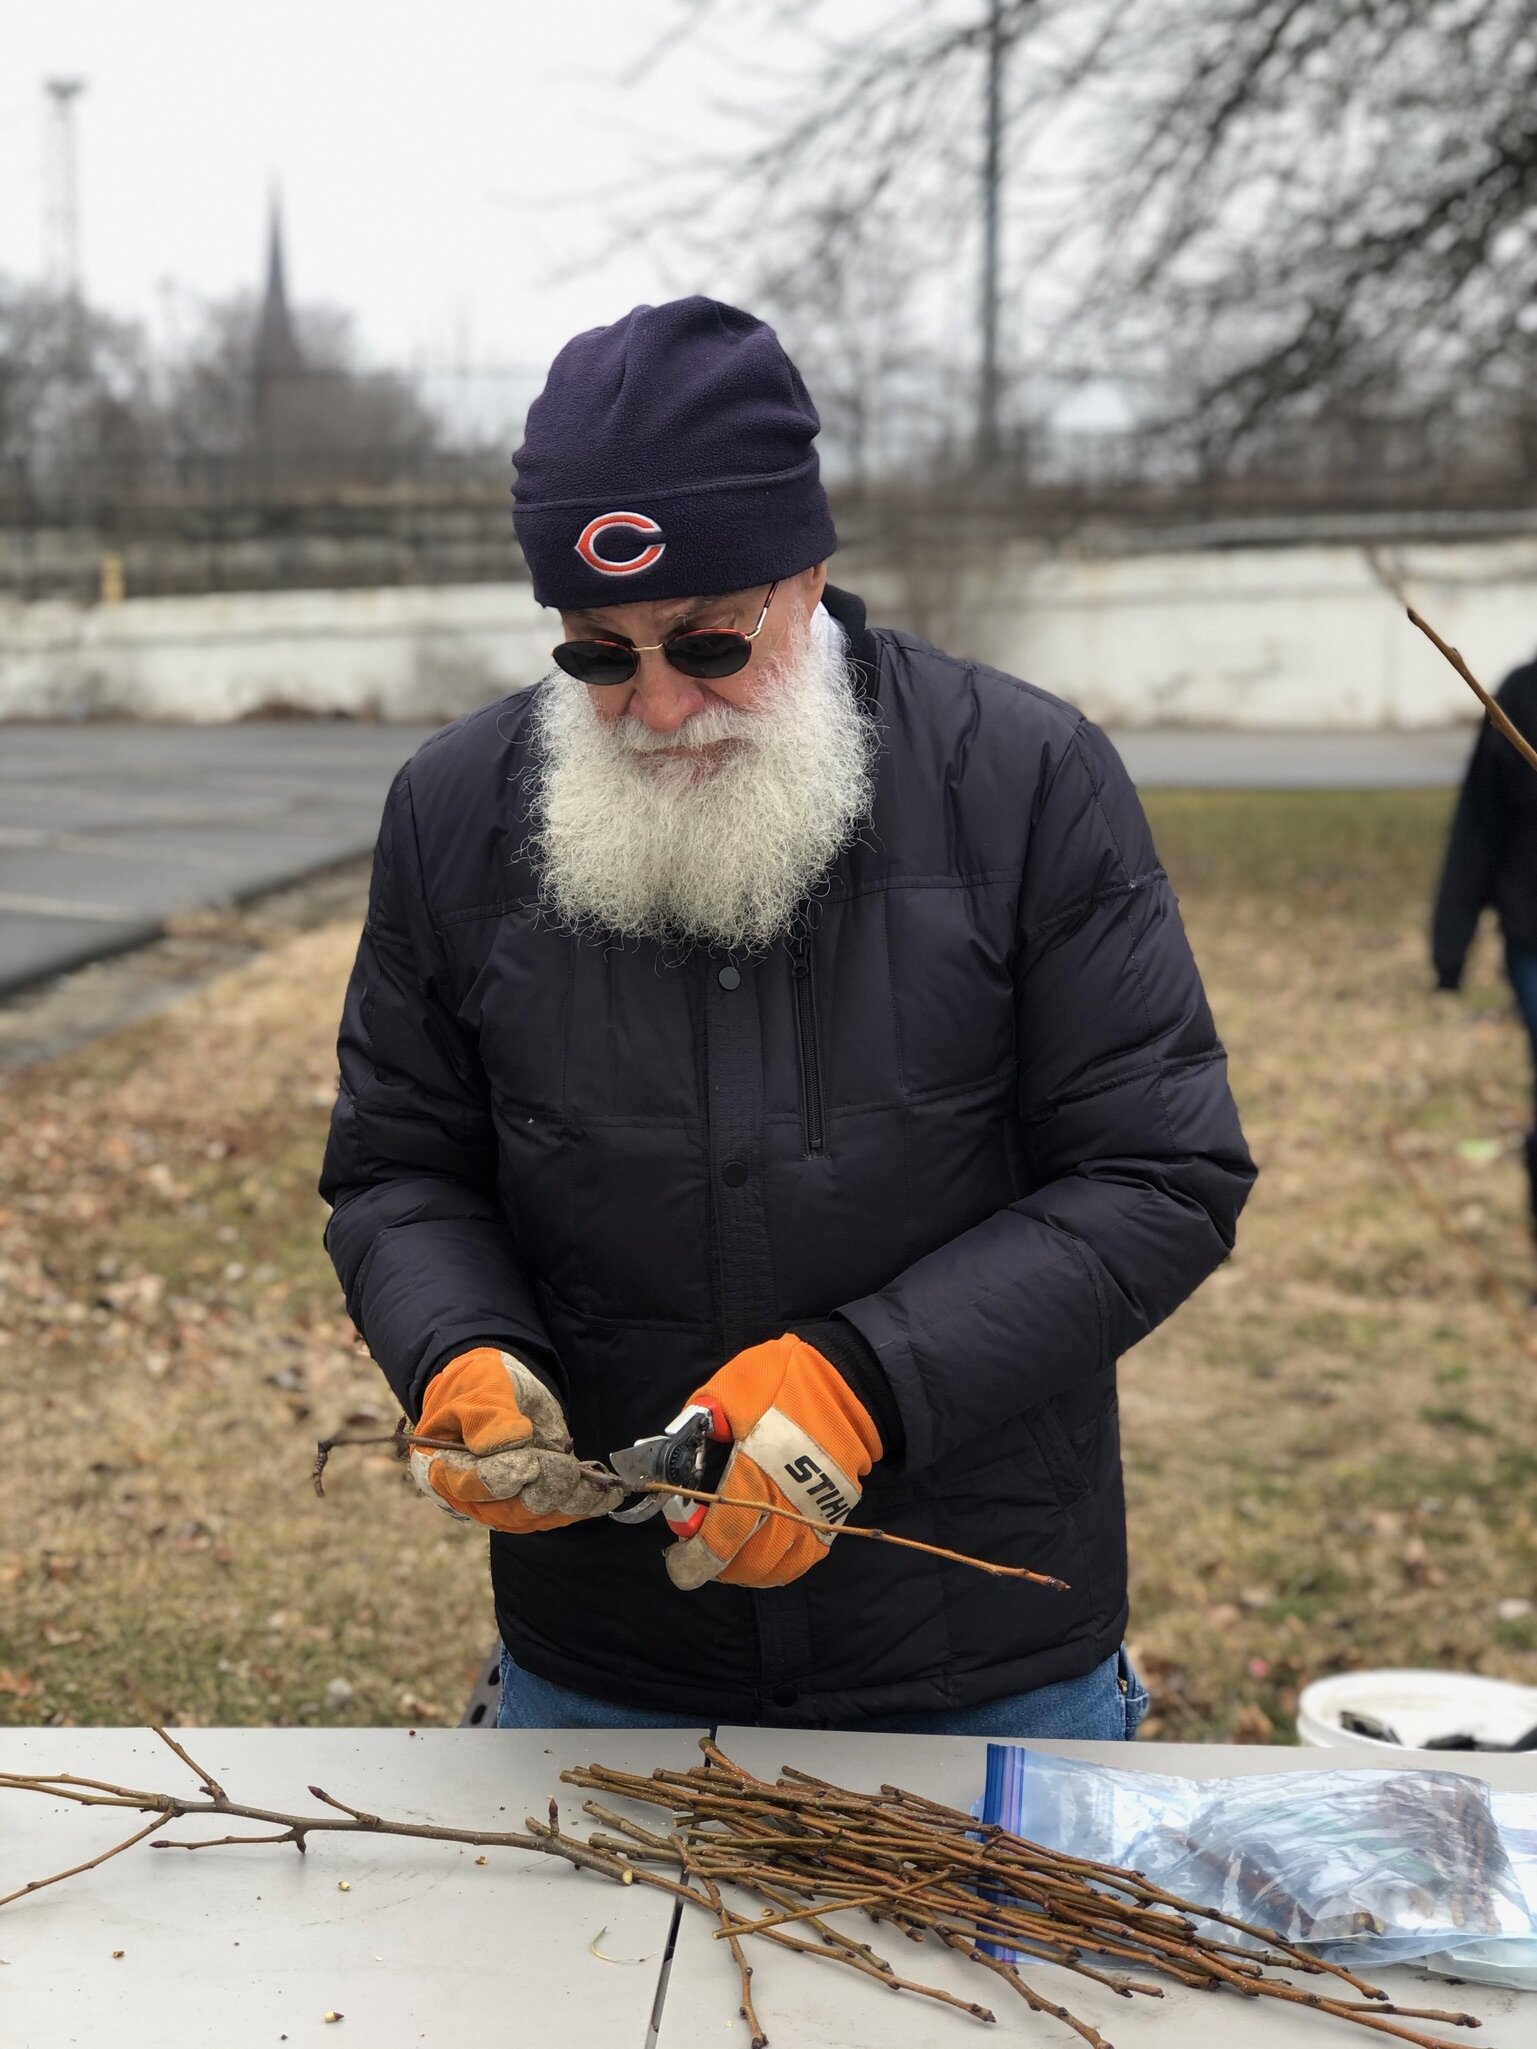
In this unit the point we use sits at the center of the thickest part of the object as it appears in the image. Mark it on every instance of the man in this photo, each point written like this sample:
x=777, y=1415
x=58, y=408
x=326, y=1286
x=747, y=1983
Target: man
x=770, y=1013
x=1491, y=858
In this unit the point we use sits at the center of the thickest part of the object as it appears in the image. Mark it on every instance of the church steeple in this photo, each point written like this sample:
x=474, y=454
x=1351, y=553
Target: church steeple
x=277, y=349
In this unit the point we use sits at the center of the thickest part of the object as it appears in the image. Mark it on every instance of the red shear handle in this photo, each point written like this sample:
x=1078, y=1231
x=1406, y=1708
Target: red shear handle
x=686, y=1518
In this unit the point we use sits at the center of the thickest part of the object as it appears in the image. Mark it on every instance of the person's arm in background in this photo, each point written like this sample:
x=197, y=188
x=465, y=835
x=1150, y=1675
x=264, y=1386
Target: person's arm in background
x=1133, y=1148
x=1472, y=858
x=417, y=1234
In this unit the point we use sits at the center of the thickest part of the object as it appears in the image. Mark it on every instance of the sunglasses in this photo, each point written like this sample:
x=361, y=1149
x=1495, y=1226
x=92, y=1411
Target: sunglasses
x=706, y=653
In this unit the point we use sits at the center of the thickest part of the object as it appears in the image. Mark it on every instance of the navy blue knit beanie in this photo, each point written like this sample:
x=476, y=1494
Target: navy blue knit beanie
x=670, y=456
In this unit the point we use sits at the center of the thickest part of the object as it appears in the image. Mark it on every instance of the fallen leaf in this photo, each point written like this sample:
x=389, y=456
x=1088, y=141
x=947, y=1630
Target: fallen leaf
x=19, y=1683
x=1479, y=1150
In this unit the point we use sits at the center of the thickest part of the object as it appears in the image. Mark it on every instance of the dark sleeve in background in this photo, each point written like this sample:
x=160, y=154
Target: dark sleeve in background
x=1473, y=853
x=416, y=1234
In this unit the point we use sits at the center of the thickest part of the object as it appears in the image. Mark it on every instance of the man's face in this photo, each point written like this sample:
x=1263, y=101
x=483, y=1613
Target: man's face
x=660, y=697
x=680, y=810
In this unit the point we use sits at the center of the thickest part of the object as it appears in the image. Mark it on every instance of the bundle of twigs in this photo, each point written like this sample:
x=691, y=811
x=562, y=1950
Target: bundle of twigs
x=810, y=1851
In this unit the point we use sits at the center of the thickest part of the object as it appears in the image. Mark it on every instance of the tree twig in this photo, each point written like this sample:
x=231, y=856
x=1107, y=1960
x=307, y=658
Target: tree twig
x=404, y=1440
x=197, y=1771
x=1496, y=712
x=90, y=1864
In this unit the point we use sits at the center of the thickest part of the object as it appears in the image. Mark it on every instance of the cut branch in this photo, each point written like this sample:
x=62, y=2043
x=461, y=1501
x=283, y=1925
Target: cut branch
x=403, y=1441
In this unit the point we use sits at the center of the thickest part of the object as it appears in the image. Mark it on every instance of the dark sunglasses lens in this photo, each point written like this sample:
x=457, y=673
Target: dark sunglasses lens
x=709, y=654
x=596, y=661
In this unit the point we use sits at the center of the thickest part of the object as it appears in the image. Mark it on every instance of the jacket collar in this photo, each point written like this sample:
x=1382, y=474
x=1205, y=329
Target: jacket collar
x=849, y=612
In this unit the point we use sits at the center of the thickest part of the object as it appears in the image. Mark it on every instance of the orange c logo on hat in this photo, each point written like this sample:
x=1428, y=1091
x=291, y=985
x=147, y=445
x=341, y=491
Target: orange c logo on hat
x=636, y=523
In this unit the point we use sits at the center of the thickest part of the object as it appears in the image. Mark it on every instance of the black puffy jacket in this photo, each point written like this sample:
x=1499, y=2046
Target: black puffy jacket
x=1491, y=855
x=980, y=1115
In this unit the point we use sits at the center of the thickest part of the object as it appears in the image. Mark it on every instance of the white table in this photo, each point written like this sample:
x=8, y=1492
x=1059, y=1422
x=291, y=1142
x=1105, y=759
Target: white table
x=240, y=1947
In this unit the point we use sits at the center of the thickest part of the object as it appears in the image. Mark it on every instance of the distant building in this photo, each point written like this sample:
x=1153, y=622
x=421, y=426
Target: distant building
x=276, y=358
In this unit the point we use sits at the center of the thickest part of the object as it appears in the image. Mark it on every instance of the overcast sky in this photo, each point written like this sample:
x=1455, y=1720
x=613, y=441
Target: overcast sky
x=436, y=162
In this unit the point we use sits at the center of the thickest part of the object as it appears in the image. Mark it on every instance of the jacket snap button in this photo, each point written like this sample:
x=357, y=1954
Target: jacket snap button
x=729, y=978
x=734, y=1173
x=785, y=1696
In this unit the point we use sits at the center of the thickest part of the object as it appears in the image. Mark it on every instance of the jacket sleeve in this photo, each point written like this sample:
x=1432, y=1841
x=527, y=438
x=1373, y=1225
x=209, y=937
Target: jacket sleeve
x=416, y=1233
x=1472, y=859
x=1134, y=1164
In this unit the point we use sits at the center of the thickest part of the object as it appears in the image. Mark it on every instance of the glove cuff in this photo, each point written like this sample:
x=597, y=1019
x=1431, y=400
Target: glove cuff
x=849, y=1352
x=540, y=1363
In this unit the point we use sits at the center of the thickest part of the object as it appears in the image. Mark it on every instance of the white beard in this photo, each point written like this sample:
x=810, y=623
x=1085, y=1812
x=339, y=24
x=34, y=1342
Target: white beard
x=635, y=838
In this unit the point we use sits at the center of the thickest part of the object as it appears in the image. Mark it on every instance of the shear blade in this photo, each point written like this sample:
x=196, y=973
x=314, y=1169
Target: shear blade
x=634, y=1465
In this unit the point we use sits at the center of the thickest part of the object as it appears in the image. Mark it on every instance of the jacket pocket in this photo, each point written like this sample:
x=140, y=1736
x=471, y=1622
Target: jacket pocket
x=1063, y=1465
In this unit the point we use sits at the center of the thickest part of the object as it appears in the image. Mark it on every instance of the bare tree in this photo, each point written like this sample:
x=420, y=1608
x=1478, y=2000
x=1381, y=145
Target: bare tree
x=1247, y=213
x=76, y=397
x=314, y=416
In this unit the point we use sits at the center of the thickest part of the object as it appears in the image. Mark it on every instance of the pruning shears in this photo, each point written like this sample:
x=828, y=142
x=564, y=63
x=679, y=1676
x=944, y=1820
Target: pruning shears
x=690, y=1448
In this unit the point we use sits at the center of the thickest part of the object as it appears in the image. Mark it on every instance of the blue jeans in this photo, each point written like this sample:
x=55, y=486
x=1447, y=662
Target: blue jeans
x=1105, y=1705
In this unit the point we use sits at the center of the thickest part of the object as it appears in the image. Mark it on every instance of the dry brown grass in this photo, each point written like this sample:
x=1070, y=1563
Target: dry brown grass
x=1330, y=1452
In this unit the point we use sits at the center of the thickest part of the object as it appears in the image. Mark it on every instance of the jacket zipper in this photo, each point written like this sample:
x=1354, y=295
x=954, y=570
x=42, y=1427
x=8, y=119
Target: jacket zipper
x=807, y=1046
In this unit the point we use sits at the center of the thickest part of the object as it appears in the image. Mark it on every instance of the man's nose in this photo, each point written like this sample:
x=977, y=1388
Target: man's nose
x=662, y=697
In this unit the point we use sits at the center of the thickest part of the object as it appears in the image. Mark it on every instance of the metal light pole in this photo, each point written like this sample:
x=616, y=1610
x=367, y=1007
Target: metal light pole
x=61, y=195
x=992, y=177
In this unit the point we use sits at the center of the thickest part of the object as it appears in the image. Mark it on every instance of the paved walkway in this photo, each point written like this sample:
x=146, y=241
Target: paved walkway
x=107, y=831
x=1184, y=758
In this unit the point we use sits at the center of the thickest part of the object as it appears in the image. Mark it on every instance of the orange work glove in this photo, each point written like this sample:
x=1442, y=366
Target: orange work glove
x=489, y=1402
x=802, y=1440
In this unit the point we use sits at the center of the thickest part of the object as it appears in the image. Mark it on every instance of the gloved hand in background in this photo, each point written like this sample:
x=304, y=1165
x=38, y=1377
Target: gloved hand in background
x=802, y=1440
x=490, y=1402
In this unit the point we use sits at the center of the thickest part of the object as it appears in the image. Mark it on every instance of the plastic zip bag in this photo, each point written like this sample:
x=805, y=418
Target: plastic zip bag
x=1509, y=1960
x=1363, y=1866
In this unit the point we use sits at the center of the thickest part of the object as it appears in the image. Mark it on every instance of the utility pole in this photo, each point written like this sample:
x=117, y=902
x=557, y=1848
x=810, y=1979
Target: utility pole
x=61, y=192
x=992, y=178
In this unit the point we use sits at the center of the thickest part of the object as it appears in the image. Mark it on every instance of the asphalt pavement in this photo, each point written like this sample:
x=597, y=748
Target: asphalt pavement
x=108, y=831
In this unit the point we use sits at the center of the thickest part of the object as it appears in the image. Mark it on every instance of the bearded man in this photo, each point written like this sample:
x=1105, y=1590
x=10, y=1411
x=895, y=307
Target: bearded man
x=773, y=1015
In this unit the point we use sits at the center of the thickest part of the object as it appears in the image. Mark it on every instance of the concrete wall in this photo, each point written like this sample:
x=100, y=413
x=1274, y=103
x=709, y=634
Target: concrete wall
x=1256, y=637
x=413, y=654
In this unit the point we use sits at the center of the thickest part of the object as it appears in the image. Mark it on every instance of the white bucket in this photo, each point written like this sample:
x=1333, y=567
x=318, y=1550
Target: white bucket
x=1416, y=1706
